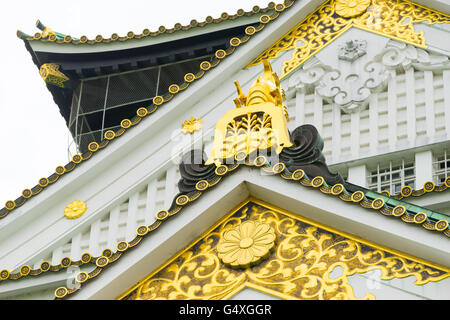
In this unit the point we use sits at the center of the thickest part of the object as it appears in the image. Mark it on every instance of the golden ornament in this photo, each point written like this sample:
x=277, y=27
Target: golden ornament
x=259, y=121
x=192, y=125
x=299, y=268
x=75, y=209
x=50, y=74
x=351, y=8
x=246, y=243
x=393, y=19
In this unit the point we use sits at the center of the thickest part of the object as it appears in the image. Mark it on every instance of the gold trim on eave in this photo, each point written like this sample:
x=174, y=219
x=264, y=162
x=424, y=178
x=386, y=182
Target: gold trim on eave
x=394, y=19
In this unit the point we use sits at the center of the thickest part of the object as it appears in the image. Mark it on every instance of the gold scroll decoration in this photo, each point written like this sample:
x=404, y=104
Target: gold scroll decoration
x=298, y=266
x=50, y=74
x=391, y=18
x=258, y=122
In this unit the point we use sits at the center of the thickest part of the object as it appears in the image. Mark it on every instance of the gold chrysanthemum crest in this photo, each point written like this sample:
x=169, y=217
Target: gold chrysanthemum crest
x=246, y=243
x=75, y=209
x=351, y=8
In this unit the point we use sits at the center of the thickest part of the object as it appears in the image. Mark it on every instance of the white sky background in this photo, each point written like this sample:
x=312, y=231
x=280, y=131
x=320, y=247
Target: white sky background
x=33, y=134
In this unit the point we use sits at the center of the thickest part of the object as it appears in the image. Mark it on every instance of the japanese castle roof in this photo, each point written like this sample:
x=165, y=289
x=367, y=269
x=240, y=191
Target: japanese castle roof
x=78, y=55
x=82, y=56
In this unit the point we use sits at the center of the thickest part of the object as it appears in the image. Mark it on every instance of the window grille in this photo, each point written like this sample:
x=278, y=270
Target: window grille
x=99, y=104
x=392, y=177
x=441, y=168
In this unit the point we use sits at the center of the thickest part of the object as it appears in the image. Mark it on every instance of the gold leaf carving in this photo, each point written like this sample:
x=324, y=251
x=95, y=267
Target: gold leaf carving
x=298, y=268
x=391, y=18
x=50, y=73
x=258, y=122
x=246, y=243
x=351, y=8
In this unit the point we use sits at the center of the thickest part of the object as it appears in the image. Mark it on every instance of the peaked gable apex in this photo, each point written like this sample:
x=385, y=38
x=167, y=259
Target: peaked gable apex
x=288, y=256
x=393, y=18
x=202, y=213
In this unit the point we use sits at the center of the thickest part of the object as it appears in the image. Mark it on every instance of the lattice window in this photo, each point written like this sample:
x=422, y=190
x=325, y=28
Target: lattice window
x=100, y=103
x=441, y=168
x=392, y=177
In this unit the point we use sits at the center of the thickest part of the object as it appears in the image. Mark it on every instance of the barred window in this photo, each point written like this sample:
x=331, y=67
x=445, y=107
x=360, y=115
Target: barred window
x=392, y=177
x=100, y=103
x=441, y=168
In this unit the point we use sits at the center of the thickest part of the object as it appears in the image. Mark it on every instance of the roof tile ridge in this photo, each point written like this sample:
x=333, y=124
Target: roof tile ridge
x=67, y=39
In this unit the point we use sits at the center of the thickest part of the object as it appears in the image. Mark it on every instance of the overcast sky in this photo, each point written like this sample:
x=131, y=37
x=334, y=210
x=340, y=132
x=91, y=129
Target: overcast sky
x=33, y=134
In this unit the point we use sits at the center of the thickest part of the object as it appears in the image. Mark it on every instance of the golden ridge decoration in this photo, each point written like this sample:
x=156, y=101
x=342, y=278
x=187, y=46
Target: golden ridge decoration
x=391, y=18
x=258, y=122
x=191, y=125
x=299, y=267
x=173, y=90
x=75, y=209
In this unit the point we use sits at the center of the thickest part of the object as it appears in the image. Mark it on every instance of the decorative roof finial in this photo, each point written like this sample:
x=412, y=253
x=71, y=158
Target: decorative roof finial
x=259, y=121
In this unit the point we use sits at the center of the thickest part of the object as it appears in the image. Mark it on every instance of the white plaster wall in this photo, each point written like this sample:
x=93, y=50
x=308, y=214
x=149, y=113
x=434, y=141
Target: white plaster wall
x=408, y=113
x=121, y=222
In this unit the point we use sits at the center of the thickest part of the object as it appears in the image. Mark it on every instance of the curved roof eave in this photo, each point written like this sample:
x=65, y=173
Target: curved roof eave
x=59, y=43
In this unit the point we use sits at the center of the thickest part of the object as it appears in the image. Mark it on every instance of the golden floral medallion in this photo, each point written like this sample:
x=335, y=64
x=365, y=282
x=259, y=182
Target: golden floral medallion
x=75, y=209
x=351, y=8
x=246, y=243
